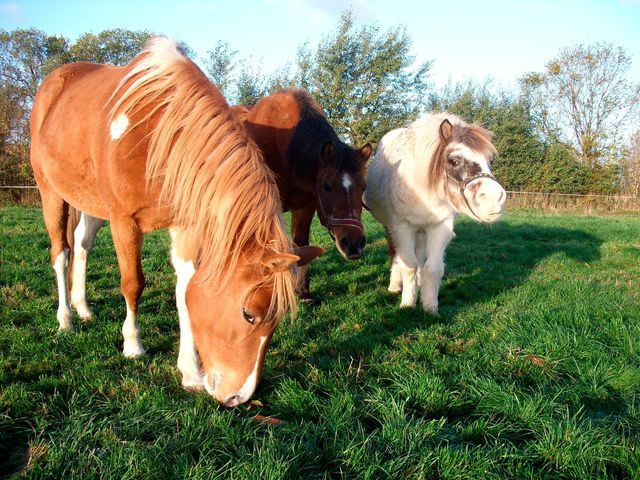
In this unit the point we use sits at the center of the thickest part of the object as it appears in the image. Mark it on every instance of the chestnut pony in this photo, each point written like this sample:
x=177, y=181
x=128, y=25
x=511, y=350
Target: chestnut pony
x=154, y=145
x=314, y=169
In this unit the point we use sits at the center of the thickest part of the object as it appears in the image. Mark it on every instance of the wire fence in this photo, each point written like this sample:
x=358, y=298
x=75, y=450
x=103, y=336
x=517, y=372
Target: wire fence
x=569, y=202
x=548, y=202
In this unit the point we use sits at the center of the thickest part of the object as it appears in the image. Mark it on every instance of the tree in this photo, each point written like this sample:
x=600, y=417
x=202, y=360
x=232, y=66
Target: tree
x=520, y=151
x=220, y=64
x=560, y=171
x=584, y=95
x=364, y=79
x=26, y=57
x=116, y=47
x=631, y=165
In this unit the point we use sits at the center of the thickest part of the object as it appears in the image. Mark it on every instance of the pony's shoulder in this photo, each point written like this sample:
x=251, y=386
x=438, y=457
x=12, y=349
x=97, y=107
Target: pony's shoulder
x=392, y=136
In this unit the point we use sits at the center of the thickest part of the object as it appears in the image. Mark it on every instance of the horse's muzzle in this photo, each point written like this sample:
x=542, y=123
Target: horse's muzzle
x=352, y=248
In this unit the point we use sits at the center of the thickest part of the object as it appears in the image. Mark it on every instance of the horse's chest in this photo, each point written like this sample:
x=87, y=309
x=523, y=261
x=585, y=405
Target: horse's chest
x=415, y=206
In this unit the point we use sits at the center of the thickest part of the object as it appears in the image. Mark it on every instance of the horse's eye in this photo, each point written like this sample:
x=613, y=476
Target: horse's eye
x=454, y=161
x=248, y=317
x=326, y=187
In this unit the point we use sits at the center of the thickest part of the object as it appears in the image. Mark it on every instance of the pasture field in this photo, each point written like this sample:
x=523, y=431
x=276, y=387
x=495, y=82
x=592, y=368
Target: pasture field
x=530, y=371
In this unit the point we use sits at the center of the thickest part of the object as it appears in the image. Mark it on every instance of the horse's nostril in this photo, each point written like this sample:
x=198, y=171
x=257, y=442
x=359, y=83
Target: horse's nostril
x=345, y=243
x=362, y=243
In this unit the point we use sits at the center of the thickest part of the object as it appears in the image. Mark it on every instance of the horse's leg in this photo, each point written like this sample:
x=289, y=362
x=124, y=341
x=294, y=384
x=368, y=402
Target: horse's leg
x=300, y=231
x=55, y=209
x=404, y=239
x=395, y=282
x=421, y=255
x=188, y=360
x=438, y=237
x=84, y=235
x=127, y=239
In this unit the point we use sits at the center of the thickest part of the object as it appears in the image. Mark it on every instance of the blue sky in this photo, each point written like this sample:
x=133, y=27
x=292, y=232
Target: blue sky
x=466, y=39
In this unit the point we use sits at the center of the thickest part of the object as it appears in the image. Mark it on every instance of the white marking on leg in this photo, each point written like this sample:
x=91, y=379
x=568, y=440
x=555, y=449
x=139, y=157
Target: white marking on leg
x=346, y=181
x=84, y=236
x=438, y=237
x=60, y=265
x=118, y=126
x=404, y=239
x=131, y=334
x=395, y=282
x=188, y=360
x=421, y=256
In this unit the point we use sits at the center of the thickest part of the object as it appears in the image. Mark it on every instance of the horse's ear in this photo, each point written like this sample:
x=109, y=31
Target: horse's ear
x=280, y=262
x=365, y=152
x=308, y=254
x=446, y=130
x=328, y=150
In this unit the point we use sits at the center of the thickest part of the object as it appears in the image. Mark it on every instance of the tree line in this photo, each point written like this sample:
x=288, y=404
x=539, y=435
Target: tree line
x=572, y=128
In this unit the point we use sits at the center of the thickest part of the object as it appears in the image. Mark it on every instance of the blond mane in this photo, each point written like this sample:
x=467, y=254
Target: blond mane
x=209, y=172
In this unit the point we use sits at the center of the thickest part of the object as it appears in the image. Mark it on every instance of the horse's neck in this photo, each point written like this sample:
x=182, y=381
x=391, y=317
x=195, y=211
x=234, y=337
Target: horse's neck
x=411, y=179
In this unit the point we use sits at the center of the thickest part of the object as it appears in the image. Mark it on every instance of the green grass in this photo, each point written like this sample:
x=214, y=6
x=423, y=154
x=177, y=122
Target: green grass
x=531, y=370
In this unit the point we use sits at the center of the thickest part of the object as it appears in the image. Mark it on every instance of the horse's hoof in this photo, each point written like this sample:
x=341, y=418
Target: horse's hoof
x=309, y=301
x=432, y=309
x=84, y=312
x=133, y=351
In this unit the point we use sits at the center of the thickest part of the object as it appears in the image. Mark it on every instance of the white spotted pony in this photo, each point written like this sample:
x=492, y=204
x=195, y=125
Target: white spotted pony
x=420, y=178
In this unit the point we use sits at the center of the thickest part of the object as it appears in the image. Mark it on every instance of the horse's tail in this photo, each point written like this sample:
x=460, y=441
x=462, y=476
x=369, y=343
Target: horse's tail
x=72, y=223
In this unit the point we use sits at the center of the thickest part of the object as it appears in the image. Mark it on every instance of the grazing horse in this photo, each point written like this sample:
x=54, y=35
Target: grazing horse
x=420, y=178
x=154, y=145
x=314, y=169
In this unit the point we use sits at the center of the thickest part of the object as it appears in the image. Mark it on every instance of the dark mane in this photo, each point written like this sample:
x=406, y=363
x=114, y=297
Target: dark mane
x=312, y=132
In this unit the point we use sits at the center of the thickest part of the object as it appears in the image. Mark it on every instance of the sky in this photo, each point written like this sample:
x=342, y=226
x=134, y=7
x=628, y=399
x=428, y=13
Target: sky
x=466, y=39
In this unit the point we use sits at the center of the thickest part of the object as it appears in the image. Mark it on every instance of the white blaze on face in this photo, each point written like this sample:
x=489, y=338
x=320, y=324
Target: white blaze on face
x=465, y=152
x=118, y=126
x=250, y=383
x=347, y=181
x=488, y=194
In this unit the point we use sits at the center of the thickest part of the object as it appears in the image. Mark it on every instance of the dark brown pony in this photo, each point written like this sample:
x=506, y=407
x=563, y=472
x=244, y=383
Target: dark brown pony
x=154, y=145
x=315, y=170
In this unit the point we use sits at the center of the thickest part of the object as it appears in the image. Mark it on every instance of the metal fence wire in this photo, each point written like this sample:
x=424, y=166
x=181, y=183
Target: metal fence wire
x=548, y=202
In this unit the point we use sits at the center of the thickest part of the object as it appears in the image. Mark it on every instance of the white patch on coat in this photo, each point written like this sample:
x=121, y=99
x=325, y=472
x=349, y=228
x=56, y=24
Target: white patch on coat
x=118, y=126
x=462, y=150
x=346, y=181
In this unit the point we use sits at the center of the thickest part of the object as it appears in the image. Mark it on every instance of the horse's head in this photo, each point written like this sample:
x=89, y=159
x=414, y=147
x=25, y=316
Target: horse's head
x=232, y=323
x=463, y=159
x=339, y=187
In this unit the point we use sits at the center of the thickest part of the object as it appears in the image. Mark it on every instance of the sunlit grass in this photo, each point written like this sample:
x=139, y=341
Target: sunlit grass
x=531, y=370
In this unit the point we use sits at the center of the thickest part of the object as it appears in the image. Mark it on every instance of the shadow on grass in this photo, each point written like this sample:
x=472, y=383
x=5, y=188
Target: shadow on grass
x=482, y=262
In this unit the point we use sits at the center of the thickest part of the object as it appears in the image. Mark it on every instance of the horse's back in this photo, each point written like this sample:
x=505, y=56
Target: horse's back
x=381, y=174
x=68, y=130
x=62, y=91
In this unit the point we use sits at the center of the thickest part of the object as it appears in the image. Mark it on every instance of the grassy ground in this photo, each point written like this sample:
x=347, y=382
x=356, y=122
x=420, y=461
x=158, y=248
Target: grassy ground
x=531, y=370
